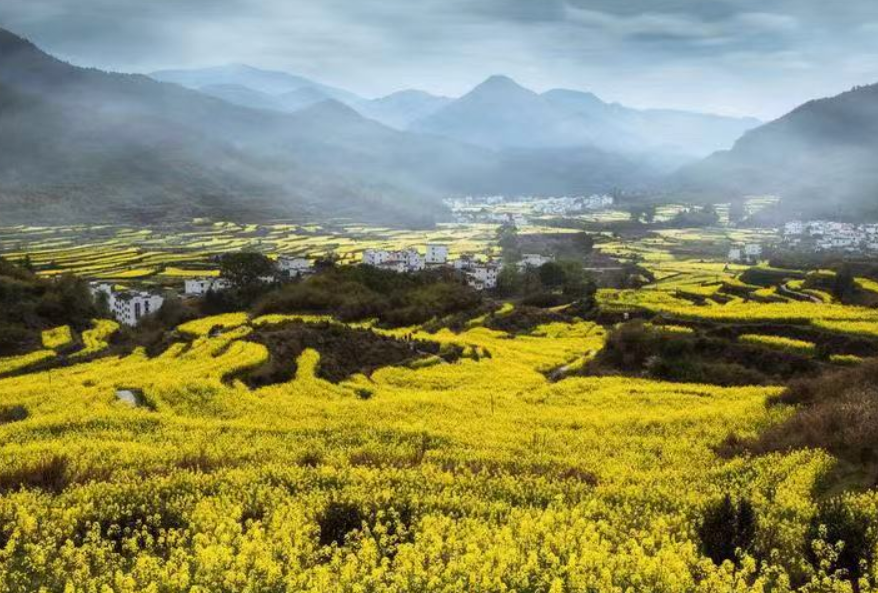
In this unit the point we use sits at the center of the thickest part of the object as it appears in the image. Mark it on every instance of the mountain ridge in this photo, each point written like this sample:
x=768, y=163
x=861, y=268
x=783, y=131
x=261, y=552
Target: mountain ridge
x=819, y=158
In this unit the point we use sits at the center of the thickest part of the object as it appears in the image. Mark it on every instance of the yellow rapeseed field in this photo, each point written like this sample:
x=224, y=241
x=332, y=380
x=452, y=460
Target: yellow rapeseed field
x=481, y=475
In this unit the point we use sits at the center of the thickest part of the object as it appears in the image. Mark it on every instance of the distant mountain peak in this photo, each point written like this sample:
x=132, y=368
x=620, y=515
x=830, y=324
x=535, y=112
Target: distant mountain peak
x=500, y=83
x=583, y=95
x=331, y=108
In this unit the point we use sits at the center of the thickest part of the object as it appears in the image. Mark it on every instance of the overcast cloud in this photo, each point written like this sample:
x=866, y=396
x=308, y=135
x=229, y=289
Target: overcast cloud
x=746, y=57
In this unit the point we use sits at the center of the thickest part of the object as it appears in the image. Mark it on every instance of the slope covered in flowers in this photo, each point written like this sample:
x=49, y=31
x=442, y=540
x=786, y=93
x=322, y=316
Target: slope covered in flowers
x=482, y=475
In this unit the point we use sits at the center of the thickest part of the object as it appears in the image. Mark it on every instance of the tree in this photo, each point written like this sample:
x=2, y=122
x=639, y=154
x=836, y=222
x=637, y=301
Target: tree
x=837, y=522
x=737, y=211
x=643, y=213
x=509, y=281
x=507, y=239
x=583, y=242
x=321, y=264
x=578, y=283
x=552, y=275
x=726, y=528
x=844, y=285
x=246, y=270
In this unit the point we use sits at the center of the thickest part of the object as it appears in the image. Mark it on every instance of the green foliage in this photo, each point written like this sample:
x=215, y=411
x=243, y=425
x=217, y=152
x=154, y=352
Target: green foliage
x=354, y=293
x=246, y=269
x=844, y=285
x=837, y=522
x=727, y=530
x=30, y=304
x=637, y=348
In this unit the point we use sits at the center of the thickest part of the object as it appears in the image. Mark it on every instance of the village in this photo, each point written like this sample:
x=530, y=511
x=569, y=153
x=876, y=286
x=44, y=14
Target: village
x=830, y=236
x=490, y=209
x=129, y=306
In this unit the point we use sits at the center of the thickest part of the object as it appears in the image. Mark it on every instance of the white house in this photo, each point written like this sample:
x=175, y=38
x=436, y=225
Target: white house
x=465, y=262
x=201, y=286
x=293, y=267
x=99, y=288
x=408, y=260
x=533, y=260
x=393, y=265
x=483, y=276
x=795, y=227
x=735, y=254
x=414, y=262
x=753, y=250
x=437, y=254
x=375, y=257
x=130, y=307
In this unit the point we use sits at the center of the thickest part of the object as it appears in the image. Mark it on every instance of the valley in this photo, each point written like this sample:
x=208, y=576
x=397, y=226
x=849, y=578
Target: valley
x=438, y=297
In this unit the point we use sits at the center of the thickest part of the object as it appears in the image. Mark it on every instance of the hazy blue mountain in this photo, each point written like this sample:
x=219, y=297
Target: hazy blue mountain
x=500, y=113
x=302, y=98
x=400, y=109
x=82, y=144
x=269, y=82
x=244, y=96
x=820, y=158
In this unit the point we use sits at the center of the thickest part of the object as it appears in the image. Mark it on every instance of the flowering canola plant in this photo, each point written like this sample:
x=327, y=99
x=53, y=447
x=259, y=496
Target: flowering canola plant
x=479, y=475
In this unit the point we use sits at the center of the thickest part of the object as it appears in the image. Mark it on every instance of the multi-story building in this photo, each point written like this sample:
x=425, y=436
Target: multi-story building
x=294, y=267
x=483, y=276
x=436, y=254
x=201, y=286
x=130, y=307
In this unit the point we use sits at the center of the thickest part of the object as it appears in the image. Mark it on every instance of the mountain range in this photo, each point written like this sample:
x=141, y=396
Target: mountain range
x=821, y=158
x=235, y=141
x=82, y=144
x=498, y=114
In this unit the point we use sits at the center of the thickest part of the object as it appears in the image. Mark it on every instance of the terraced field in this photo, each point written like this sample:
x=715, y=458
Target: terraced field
x=499, y=470
x=167, y=255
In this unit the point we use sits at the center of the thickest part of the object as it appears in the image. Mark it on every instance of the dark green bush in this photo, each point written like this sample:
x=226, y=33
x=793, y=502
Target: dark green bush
x=727, y=530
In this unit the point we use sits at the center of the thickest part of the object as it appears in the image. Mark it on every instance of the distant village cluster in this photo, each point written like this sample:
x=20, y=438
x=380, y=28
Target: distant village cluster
x=129, y=306
x=747, y=253
x=825, y=235
x=481, y=275
x=479, y=209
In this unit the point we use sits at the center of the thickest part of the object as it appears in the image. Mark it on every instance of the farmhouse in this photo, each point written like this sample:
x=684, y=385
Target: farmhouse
x=407, y=260
x=201, y=286
x=294, y=267
x=375, y=257
x=752, y=251
x=436, y=254
x=825, y=235
x=130, y=307
x=127, y=307
x=533, y=260
x=483, y=276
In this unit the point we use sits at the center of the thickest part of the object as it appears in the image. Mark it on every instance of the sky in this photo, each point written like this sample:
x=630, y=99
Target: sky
x=737, y=57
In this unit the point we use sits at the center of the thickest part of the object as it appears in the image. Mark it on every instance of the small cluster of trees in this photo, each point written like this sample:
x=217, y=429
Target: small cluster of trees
x=554, y=282
x=363, y=292
x=565, y=279
x=30, y=304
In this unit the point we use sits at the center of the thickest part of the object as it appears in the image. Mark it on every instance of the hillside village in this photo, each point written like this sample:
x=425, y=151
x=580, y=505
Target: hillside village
x=825, y=235
x=488, y=209
x=129, y=306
